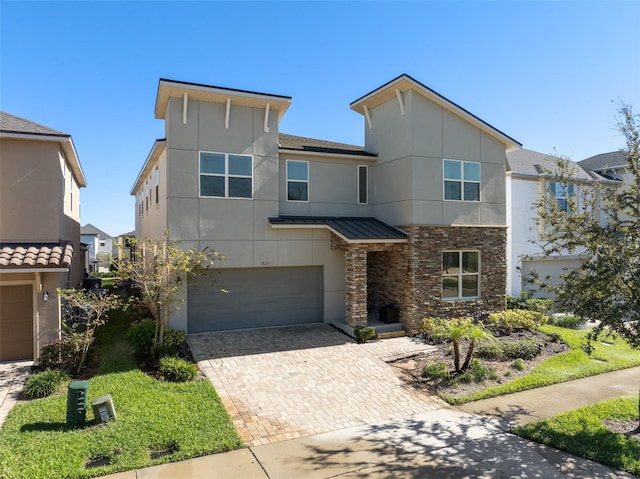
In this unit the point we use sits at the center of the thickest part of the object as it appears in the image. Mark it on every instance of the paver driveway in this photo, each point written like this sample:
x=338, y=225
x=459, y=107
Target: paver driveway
x=283, y=383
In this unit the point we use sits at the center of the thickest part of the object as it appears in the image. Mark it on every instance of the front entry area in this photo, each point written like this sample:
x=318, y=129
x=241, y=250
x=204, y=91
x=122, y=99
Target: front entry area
x=243, y=298
x=16, y=322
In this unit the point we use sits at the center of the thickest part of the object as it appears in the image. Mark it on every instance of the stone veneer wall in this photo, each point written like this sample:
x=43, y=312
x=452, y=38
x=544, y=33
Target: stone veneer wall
x=410, y=274
x=426, y=245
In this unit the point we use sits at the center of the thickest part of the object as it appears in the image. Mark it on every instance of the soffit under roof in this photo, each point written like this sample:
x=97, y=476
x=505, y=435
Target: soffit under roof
x=214, y=94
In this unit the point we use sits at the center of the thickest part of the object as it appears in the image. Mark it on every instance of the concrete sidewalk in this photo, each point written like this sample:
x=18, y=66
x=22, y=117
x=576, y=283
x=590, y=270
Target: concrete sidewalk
x=446, y=443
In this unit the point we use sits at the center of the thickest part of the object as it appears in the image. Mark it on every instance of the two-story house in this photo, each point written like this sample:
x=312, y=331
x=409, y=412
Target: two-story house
x=40, y=181
x=317, y=231
x=100, y=247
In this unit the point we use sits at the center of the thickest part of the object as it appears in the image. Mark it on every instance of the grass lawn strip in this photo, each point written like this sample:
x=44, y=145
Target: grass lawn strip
x=610, y=355
x=171, y=421
x=582, y=432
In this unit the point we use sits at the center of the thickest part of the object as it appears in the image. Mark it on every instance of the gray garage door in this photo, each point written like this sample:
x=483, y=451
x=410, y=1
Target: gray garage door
x=547, y=268
x=256, y=298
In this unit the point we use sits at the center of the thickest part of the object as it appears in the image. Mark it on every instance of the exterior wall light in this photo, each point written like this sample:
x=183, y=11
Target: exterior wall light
x=45, y=296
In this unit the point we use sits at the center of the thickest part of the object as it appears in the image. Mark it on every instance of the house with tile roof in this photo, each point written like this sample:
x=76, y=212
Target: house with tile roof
x=100, y=248
x=40, y=181
x=410, y=225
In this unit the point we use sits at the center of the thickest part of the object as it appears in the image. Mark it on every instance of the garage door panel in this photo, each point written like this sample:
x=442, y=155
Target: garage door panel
x=548, y=271
x=256, y=297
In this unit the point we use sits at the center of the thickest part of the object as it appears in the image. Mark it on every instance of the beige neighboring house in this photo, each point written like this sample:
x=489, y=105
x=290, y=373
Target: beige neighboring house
x=318, y=231
x=40, y=181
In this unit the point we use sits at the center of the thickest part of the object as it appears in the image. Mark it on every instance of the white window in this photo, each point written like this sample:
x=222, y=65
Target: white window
x=564, y=193
x=461, y=180
x=297, y=180
x=363, y=178
x=460, y=274
x=225, y=175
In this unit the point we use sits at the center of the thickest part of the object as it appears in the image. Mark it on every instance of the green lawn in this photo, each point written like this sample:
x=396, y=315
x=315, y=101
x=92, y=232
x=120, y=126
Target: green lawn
x=610, y=355
x=582, y=432
x=182, y=420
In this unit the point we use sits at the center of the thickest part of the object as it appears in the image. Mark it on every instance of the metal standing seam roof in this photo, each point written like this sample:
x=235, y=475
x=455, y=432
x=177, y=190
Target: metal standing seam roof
x=351, y=228
x=25, y=255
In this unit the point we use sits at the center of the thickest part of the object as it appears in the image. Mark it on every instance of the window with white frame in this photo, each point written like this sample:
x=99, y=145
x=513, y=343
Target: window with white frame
x=461, y=180
x=460, y=274
x=363, y=178
x=297, y=180
x=226, y=175
x=564, y=193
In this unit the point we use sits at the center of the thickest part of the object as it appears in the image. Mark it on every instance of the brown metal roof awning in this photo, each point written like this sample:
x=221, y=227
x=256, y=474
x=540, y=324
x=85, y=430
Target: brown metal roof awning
x=26, y=256
x=351, y=229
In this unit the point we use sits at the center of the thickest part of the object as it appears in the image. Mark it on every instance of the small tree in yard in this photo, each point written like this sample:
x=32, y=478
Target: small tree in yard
x=85, y=310
x=604, y=227
x=156, y=271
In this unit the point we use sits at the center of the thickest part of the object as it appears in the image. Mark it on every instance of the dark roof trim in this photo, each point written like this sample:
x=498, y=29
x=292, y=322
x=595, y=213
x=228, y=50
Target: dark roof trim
x=204, y=85
x=351, y=229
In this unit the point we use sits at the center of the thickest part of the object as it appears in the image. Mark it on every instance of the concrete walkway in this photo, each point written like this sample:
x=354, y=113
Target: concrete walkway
x=12, y=377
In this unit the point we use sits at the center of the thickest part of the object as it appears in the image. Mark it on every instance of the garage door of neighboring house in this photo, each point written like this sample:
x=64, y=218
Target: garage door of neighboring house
x=16, y=322
x=256, y=298
x=553, y=268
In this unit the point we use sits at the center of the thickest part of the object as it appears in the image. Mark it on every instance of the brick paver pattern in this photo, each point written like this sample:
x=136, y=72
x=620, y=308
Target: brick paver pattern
x=283, y=383
x=12, y=377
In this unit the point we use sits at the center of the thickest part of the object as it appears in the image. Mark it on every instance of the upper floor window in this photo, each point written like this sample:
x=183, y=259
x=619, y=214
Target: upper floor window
x=157, y=182
x=297, y=180
x=461, y=180
x=363, y=178
x=460, y=274
x=563, y=193
x=226, y=175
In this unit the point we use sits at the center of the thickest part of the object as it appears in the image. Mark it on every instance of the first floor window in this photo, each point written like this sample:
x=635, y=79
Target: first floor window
x=297, y=180
x=461, y=180
x=226, y=175
x=460, y=274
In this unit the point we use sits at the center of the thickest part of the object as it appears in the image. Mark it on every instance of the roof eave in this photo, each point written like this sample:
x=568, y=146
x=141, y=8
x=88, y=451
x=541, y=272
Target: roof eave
x=355, y=156
x=176, y=89
x=65, y=141
x=156, y=151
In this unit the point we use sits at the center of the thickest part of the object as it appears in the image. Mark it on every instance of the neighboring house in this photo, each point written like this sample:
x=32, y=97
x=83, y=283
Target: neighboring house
x=529, y=175
x=40, y=181
x=100, y=248
x=122, y=248
x=317, y=231
x=612, y=165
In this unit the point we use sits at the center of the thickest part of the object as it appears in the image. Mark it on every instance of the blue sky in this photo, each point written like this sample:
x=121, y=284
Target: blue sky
x=548, y=74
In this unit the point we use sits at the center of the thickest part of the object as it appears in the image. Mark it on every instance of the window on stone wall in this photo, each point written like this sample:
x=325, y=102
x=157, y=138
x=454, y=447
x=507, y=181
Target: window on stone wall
x=226, y=175
x=460, y=274
x=461, y=180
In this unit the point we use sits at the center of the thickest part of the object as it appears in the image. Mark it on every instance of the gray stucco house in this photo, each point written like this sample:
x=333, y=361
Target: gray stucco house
x=317, y=231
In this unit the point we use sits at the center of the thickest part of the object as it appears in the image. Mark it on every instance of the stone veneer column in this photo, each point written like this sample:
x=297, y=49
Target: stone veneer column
x=356, y=281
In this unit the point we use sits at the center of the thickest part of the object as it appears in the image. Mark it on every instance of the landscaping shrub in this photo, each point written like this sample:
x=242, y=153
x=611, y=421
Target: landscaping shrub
x=506, y=322
x=435, y=330
x=177, y=370
x=527, y=348
x=436, y=370
x=141, y=334
x=364, y=334
x=518, y=365
x=477, y=372
x=541, y=305
x=44, y=384
x=567, y=321
x=64, y=353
